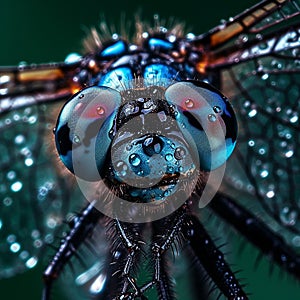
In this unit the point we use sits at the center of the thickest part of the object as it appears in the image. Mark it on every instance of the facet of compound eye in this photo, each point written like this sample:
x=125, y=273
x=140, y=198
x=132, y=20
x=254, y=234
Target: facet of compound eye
x=87, y=114
x=208, y=116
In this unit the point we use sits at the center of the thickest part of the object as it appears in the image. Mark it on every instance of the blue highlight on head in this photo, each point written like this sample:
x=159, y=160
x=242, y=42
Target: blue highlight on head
x=159, y=44
x=116, y=49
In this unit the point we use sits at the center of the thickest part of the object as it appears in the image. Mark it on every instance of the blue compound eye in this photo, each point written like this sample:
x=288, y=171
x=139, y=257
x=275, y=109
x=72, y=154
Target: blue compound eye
x=209, y=118
x=86, y=115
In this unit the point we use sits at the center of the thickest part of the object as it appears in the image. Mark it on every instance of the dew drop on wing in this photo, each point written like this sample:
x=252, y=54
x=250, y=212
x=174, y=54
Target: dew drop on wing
x=34, y=195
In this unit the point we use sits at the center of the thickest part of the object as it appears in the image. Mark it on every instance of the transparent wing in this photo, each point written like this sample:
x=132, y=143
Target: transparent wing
x=35, y=195
x=257, y=58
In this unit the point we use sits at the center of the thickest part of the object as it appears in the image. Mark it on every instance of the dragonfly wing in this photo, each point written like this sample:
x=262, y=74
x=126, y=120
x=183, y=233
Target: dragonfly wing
x=35, y=194
x=258, y=68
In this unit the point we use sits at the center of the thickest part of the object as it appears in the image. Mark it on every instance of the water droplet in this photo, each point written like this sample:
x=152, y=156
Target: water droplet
x=31, y=262
x=134, y=159
x=270, y=194
x=168, y=157
x=251, y=143
x=32, y=119
x=217, y=109
x=28, y=162
x=49, y=238
x=81, y=96
x=23, y=255
x=170, y=169
x=37, y=243
x=288, y=217
x=262, y=151
x=7, y=201
x=51, y=222
x=100, y=110
x=294, y=119
x=189, y=103
x=16, y=186
x=121, y=166
x=11, y=175
x=289, y=153
x=152, y=145
x=11, y=238
x=265, y=76
x=252, y=113
x=179, y=153
x=264, y=174
x=19, y=139
x=123, y=173
x=76, y=139
x=35, y=234
x=212, y=117
x=15, y=247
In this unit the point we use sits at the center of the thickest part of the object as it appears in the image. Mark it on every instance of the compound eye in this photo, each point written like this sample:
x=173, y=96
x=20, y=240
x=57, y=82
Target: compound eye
x=86, y=115
x=209, y=118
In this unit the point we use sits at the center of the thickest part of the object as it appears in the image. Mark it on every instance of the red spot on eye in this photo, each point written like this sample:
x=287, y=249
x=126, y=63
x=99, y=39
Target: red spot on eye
x=92, y=111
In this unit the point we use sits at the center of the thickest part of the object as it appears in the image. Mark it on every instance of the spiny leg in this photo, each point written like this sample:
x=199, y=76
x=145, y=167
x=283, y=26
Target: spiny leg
x=111, y=271
x=82, y=228
x=161, y=242
x=212, y=259
x=128, y=239
x=257, y=233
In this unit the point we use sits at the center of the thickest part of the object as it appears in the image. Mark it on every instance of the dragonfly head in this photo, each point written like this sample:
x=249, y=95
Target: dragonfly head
x=146, y=141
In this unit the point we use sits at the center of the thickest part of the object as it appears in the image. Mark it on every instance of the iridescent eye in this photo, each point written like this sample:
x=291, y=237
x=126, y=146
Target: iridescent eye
x=209, y=118
x=87, y=114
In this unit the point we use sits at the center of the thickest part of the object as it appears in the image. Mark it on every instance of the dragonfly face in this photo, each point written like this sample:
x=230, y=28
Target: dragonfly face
x=242, y=69
x=162, y=118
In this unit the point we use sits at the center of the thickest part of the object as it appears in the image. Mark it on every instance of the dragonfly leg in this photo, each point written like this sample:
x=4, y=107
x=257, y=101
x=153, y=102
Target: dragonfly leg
x=166, y=232
x=212, y=259
x=269, y=242
x=82, y=227
x=129, y=237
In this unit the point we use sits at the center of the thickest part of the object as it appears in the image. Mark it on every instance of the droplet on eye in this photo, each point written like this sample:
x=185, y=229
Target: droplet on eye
x=217, y=109
x=169, y=157
x=100, y=110
x=212, y=118
x=179, y=153
x=76, y=139
x=120, y=166
x=189, y=103
x=152, y=145
x=134, y=159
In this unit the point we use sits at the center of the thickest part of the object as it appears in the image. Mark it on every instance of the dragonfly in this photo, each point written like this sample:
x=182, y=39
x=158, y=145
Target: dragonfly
x=246, y=73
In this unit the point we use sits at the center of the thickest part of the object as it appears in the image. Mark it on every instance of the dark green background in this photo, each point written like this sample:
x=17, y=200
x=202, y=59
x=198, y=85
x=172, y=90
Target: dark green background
x=40, y=32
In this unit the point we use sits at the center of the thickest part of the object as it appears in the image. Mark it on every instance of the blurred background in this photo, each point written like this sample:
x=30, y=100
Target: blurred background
x=43, y=31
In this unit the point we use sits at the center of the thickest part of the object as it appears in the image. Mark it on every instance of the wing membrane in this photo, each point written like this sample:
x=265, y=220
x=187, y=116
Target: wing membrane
x=35, y=194
x=259, y=70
